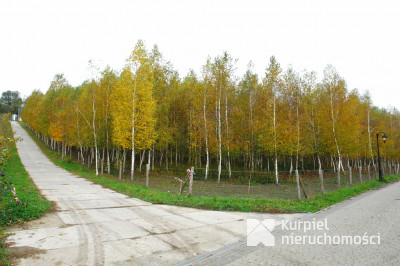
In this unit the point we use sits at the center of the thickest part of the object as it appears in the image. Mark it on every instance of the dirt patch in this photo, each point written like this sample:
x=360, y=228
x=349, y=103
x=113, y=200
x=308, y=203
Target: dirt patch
x=17, y=253
x=50, y=219
x=54, y=207
x=277, y=211
x=65, y=225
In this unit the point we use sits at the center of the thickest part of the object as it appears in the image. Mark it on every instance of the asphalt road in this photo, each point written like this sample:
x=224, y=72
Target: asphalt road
x=364, y=230
x=93, y=225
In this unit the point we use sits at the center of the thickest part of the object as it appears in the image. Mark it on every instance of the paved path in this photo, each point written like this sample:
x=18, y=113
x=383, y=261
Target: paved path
x=97, y=226
x=375, y=213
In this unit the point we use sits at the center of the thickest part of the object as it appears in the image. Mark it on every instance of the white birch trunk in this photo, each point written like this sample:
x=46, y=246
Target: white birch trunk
x=147, y=174
x=102, y=162
x=191, y=180
x=108, y=162
x=119, y=160
x=350, y=172
x=321, y=174
x=339, y=165
x=370, y=143
x=275, y=142
x=227, y=133
x=252, y=131
x=107, y=133
x=219, y=139
x=152, y=158
x=133, y=133
x=82, y=156
x=142, y=155
x=206, y=137
x=298, y=184
x=95, y=139
x=123, y=161
x=297, y=152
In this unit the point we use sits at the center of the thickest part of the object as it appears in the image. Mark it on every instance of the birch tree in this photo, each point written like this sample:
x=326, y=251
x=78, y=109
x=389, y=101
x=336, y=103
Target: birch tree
x=107, y=84
x=88, y=110
x=314, y=144
x=272, y=83
x=334, y=88
x=248, y=88
x=148, y=110
x=133, y=105
x=293, y=89
x=222, y=70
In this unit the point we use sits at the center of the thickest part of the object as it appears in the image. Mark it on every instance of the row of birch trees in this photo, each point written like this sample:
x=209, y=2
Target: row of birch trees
x=282, y=120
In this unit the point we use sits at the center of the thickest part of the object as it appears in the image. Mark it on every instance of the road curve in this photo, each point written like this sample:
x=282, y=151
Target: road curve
x=93, y=225
x=352, y=230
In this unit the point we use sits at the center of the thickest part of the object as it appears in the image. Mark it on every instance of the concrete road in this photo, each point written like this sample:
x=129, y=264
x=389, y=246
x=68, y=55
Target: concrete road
x=97, y=226
x=352, y=239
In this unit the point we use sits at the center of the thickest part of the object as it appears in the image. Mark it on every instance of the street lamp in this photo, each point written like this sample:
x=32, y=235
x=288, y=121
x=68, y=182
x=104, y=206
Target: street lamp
x=384, y=138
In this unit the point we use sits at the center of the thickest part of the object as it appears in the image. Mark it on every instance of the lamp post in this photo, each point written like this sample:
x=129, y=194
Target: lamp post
x=384, y=138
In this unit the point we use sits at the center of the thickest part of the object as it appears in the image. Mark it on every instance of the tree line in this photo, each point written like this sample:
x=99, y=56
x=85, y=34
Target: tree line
x=282, y=120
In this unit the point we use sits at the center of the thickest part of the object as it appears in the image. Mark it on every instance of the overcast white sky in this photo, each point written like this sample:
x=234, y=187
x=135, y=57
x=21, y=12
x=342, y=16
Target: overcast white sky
x=360, y=38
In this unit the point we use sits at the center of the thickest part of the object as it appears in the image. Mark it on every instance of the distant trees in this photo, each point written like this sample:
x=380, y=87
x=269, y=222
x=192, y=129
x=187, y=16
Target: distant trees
x=284, y=120
x=10, y=101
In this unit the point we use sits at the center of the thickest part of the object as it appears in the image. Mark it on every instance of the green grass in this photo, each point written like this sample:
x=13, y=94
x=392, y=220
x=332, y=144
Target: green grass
x=213, y=203
x=34, y=205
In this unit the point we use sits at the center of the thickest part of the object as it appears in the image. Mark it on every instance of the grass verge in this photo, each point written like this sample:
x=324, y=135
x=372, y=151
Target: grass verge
x=33, y=204
x=213, y=203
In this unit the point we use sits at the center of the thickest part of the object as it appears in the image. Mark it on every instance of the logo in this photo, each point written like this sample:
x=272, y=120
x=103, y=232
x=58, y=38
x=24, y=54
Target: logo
x=296, y=234
x=260, y=232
